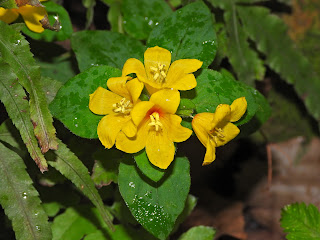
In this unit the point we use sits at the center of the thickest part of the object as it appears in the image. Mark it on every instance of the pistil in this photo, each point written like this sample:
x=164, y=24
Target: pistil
x=155, y=121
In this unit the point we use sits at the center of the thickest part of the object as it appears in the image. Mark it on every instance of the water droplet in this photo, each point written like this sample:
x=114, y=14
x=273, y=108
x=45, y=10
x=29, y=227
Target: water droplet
x=24, y=195
x=18, y=43
x=150, y=22
x=76, y=125
x=38, y=228
x=131, y=184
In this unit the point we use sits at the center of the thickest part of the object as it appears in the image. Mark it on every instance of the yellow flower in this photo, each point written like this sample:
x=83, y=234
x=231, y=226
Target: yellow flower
x=157, y=73
x=215, y=129
x=116, y=105
x=157, y=128
x=31, y=15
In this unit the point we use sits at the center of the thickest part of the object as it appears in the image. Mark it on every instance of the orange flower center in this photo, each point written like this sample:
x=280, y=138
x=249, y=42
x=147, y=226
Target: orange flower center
x=124, y=106
x=159, y=74
x=155, y=121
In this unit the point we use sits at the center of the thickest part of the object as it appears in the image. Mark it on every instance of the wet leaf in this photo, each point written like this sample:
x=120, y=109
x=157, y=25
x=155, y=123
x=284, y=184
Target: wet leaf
x=301, y=222
x=16, y=52
x=13, y=97
x=20, y=200
x=141, y=16
x=155, y=206
x=71, y=105
x=180, y=33
x=94, y=48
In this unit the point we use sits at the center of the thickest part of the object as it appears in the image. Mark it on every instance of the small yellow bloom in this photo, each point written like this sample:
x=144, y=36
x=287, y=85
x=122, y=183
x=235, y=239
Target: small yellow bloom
x=157, y=128
x=31, y=15
x=157, y=73
x=116, y=105
x=215, y=129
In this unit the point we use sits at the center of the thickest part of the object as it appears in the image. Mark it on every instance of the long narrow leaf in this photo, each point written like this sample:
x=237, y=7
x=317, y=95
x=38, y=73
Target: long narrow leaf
x=20, y=200
x=73, y=169
x=14, y=99
x=16, y=52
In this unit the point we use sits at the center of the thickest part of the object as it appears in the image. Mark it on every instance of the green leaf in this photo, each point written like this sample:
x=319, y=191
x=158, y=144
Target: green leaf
x=189, y=206
x=89, y=4
x=216, y=88
x=15, y=51
x=141, y=16
x=73, y=169
x=105, y=169
x=156, y=206
x=199, y=233
x=301, y=222
x=71, y=105
x=245, y=61
x=14, y=98
x=281, y=55
x=50, y=87
x=8, y=4
x=187, y=33
x=66, y=30
x=20, y=200
x=94, y=48
x=148, y=169
x=115, y=16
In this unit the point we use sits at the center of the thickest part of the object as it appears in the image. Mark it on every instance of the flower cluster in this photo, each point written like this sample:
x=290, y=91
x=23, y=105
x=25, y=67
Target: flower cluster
x=32, y=16
x=132, y=125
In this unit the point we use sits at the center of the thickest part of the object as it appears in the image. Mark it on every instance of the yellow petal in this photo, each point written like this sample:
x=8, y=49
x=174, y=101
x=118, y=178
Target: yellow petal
x=140, y=110
x=160, y=149
x=230, y=131
x=178, y=76
x=109, y=127
x=134, y=144
x=130, y=130
x=101, y=101
x=153, y=57
x=151, y=90
x=221, y=115
x=118, y=86
x=32, y=16
x=238, y=108
x=133, y=65
x=135, y=88
x=8, y=15
x=176, y=132
x=201, y=125
x=167, y=99
x=210, y=153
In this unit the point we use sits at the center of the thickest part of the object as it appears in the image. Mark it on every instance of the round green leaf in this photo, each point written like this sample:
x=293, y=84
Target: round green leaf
x=141, y=16
x=66, y=30
x=187, y=33
x=71, y=105
x=104, y=48
x=156, y=206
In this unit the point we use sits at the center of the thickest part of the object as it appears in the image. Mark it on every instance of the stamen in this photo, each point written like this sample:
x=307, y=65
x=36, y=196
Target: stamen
x=159, y=74
x=217, y=134
x=155, y=121
x=124, y=106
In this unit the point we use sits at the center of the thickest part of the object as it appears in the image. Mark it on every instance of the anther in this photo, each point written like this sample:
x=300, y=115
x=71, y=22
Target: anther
x=155, y=121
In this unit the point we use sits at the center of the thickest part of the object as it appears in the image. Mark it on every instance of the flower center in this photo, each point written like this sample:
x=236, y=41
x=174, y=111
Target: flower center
x=217, y=133
x=124, y=106
x=155, y=121
x=159, y=74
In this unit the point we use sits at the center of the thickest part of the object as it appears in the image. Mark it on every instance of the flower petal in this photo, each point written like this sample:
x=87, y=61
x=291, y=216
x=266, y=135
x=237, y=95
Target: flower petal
x=133, y=65
x=109, y=127
x=101, y=101
x=32, y=16
x=118, y=86
x=8, y=15
x=238, y=108
x=201, y=125
x=153, y=57
x=178, y=76
x=134, y=144
x=151, y=90
x=135, y=88
x=210, y=153
x=176, y=132
x=140, y=110
x=160, y=149
x=130, y=130
x=230, y=131
x=167, y=99
x=221, y=115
